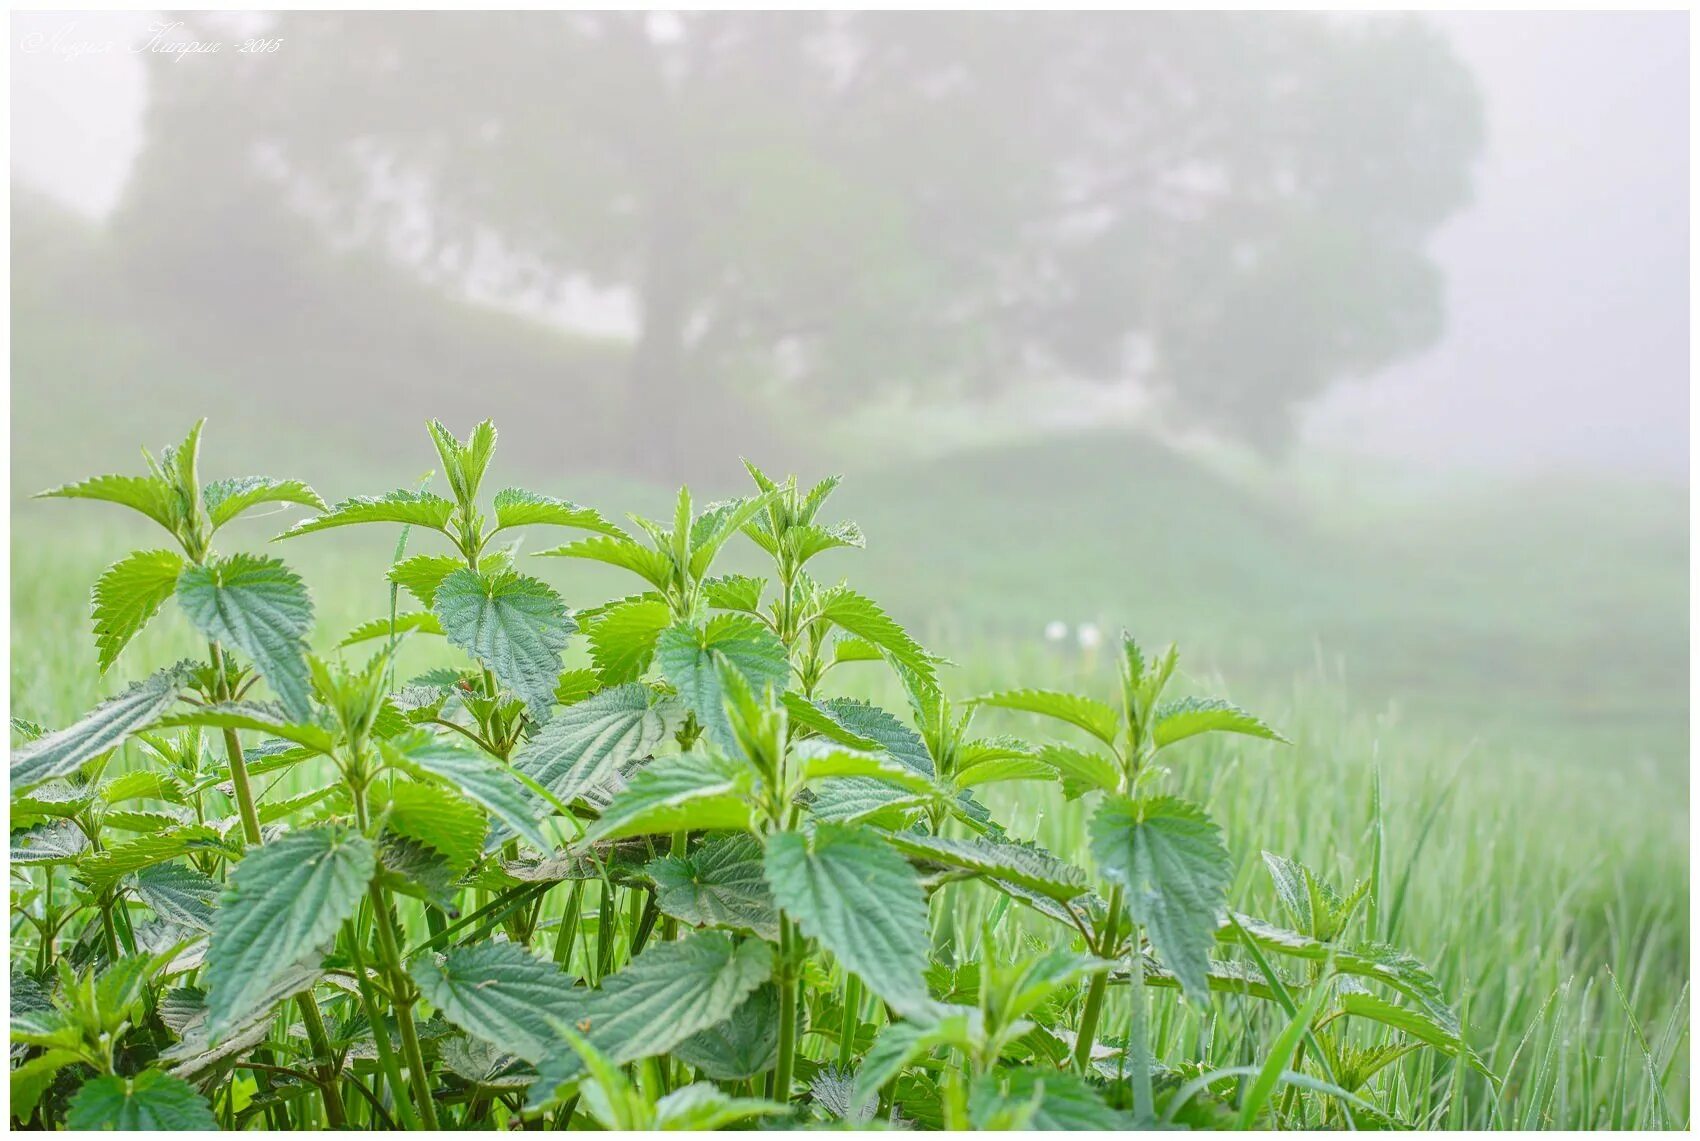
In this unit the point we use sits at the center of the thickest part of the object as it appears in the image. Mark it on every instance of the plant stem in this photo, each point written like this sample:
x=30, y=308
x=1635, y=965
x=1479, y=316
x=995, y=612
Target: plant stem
x=852, y=1022
x=1087, y=1034
x=400, y=986
x=386, y=1053
x=788, y=984
x=402, y=1003
x=233, y=754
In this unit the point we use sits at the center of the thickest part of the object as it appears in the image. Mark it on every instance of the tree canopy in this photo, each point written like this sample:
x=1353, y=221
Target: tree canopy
x=1229, y=211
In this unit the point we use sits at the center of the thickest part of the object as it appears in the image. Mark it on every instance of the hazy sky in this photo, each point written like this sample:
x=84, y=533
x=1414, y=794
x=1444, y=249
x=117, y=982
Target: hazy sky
x=1567, y=341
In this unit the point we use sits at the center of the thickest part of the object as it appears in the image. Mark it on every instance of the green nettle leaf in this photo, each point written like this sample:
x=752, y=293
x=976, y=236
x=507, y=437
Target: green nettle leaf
x=869, y=722
x=286, y=900
x=823, y=762
x=257, y=716
x=586, y=743
x=225, y=499
x=667, y=994
x=501, y=993
x=653, y=566
x=420, y=575
x=1037, y=871
x=677, y=794
x=1085, y=713
x=413, y=508
x=1396, y=968
x=516, y=507
x=58, y=842
x=112, y=863
x=180, y=894
x=862, y=900
x=623, y=637
x=1441, y=1033
x=151, y=496
x=127, y=597
x=100, y=730
x=478, y=777
x=1045, y=1098
x=1081, y=771
x=721, y=884
x=1188, y=717
x=438, y=819
x=261, y=607
x=691, y=658
x=515, y=625
x=464, y=464
x=735, y=592
x=741, y=1047
x=151, y=1100
x=862, y=617
x=412, y=622
x=1169, y=857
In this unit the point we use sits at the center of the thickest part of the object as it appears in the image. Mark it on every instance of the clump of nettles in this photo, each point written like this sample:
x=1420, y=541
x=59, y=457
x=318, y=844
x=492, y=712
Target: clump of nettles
x=683, y=885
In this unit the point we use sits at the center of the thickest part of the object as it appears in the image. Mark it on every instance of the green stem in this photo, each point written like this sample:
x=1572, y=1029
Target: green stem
x=1086, y=1036
x=788, y=985
x=400, y=986
x=386, y=1052
x=851, y=1025
x=233, y=754
x=389, y=949
x=336, y=1114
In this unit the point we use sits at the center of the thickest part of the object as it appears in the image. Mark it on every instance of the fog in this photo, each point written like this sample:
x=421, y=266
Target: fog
x=1353, y=340
x=1560, y=336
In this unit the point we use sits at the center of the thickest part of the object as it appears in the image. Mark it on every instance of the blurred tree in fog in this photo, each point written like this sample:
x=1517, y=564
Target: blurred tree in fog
x=1229, y=211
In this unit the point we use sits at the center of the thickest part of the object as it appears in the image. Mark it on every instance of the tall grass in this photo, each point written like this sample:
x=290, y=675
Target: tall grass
x=1549, y=896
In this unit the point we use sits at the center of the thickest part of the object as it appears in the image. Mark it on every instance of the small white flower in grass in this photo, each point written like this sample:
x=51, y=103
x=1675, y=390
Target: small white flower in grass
x=1088, y=636
x=1056, y=631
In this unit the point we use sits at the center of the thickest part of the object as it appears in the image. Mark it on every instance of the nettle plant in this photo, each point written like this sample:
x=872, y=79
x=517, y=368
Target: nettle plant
x=680, y=887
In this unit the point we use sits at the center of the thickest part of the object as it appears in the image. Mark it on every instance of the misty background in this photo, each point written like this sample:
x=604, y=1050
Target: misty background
x=1323, y=344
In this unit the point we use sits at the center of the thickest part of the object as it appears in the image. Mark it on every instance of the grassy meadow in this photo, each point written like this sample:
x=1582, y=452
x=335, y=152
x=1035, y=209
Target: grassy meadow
x=1507, y=670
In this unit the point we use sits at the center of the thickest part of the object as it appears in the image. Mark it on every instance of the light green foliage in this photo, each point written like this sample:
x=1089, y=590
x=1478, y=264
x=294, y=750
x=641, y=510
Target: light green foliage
x=864, y=618
x=588, y=742
x=1085, y=713
x=1028, y=1098
x=664, y=996
x=676, y=794
x=128, y=596
x=225, y=499
x=1170, y=858
x=412, y=508
x=501, y=993
x=623, y=636
x=151, y=496
x=1188, y=717
x=516, y=507
x=515, y=625
x=721, y=884
x=847, y=888
x=258, y=606
x=476, y=776
x=151, y=1100
x=102, y=729
x=681, y=875
x=285, y=901
x=691, y=658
